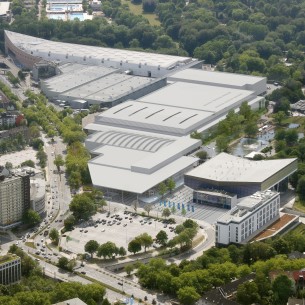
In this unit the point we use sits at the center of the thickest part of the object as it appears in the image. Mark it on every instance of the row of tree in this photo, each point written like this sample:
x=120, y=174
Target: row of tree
x=108, y=249
x=35, y=289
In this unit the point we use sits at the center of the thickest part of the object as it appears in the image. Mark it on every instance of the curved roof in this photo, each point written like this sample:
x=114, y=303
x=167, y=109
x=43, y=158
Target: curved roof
x=38, y=46
x=228, y=168
x=129, y=140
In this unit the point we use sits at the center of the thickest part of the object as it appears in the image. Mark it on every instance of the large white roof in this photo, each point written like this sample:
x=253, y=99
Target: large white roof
x=135, y=182
x=220, y=78
x=70, y=79
x=39, y=45
x=136, y=161
x=228, y=168
x=162, y=118
x=198, y=97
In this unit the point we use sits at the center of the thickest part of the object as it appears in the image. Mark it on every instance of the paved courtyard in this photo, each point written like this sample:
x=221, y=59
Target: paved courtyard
x=16, y=158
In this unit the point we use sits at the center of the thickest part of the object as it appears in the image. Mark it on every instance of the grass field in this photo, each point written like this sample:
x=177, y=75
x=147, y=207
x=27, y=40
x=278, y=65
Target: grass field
x=299, y=206
x=300, y=229
x=137, y=10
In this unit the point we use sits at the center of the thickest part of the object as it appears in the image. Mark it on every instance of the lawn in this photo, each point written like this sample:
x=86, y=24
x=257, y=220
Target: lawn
x=296, y=120
x=300, y=229
x=299, y=206
x=137, y=10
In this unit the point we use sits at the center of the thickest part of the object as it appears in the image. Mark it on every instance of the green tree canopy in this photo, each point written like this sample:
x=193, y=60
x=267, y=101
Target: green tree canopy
x=91, y=247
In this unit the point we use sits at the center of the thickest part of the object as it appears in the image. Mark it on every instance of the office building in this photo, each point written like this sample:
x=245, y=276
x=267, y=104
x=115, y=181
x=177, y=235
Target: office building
x=250, y=216
x=10, y=269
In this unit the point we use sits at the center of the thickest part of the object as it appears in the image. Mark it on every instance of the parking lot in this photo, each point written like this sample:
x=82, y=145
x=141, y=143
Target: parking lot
x=118, y=227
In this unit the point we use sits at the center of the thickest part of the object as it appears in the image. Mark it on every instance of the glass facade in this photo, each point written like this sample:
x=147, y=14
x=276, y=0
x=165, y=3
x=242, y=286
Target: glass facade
x=10, y=272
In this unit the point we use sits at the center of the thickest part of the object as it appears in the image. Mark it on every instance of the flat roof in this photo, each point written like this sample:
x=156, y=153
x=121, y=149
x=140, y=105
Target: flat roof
x=75, y=301
x=135, y=182
x=109, y=88
x=227, y=168
x=76, y=75
x=39, y=45
x=4, y=7
x=198, y=97
x=221, y=78
x=38, y=187
x=246, y=206
x=155, y=117
x=135, y=161
x=7, y=258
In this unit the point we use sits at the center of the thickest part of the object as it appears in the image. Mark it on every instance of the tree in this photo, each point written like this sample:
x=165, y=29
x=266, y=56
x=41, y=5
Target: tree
x=162, y=188
x=29, y=163
x=148, y=208
x=282, y=288
x=37, y=143
x=166, y=212
x=8, y=165
x=162, y=238
x=145, y=240
x=251, y=128
x=128, y=269
x=188, y=295
x=91, y=247
x=202, y=155
x=58, y=162
x=54, y=236
x=149, y=6
x=31, y=217
x=63, y=262
x=69, y=222
x=42, y=157
x=34, y=131
x=245, y=110
x=134, y=246
x=301, y=187
x=107, y=249
x=279, y=117
x=122, y=251
x=106, y=302
x=135, y=205
x=71, y=264
x=183, y=212
x=75, y=179
x=171, y=184
x=222, y=143
x=82, y=206
x=247, y=293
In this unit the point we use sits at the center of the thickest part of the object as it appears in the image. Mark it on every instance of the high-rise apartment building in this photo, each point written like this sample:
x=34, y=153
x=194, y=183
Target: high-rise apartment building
x=14, y=197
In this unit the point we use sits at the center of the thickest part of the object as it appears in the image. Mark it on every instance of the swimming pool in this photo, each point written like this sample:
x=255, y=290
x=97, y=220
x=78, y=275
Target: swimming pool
x=64, y=7
x=69, y=16
x=73, y=16
x=57, y=16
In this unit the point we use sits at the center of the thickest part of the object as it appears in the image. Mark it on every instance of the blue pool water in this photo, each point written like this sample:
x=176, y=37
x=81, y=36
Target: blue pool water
x=57, y=16
x=71, y=16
